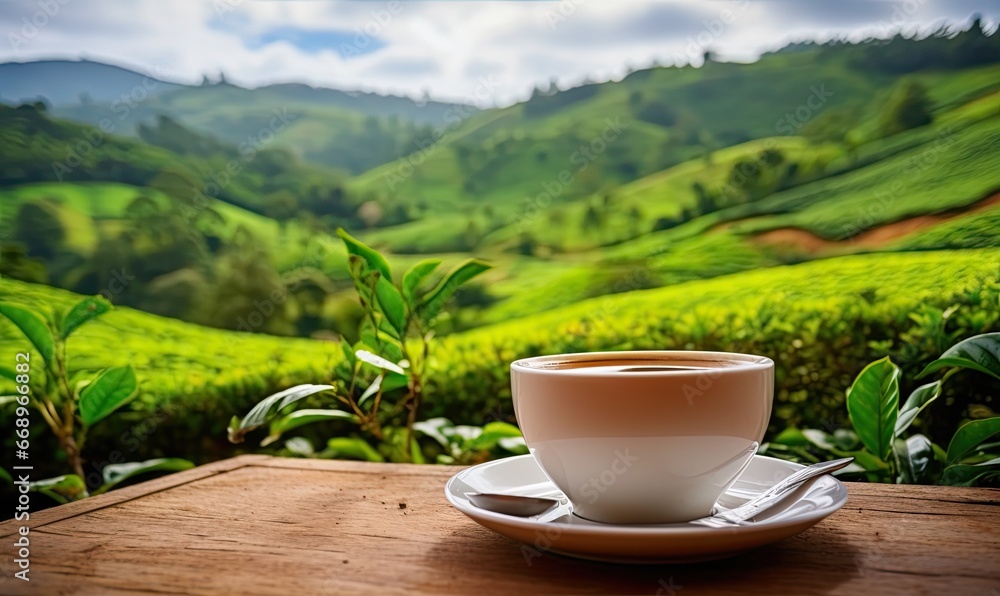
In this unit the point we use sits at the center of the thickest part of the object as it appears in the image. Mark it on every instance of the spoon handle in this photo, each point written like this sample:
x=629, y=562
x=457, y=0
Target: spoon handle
x=778, y=491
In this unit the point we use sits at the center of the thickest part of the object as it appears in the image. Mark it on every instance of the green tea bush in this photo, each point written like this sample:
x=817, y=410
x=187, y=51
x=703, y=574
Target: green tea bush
x=821, y=323
x=191, y=378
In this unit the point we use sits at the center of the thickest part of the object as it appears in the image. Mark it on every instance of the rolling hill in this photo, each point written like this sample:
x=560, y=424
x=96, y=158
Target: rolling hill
x=350, y=130
x=566, y=145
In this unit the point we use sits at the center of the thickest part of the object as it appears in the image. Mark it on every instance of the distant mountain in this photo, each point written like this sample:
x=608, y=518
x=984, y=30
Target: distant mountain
x=61, y=82
x=352, y=131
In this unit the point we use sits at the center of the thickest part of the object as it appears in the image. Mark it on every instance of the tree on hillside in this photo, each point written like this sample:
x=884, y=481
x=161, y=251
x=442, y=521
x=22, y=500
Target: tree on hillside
x=526, y=244
x=908, y=107
x=635, y=219
x=40, y=229
x=247, y=293
x=281, y=205
x=592, y=218
x=15, y=263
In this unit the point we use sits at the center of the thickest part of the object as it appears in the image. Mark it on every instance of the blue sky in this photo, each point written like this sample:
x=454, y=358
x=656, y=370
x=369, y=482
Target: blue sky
x=314, y=41
x=485, y=52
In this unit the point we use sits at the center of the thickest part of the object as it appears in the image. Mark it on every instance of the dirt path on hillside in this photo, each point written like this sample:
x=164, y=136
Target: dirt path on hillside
x=873, y=238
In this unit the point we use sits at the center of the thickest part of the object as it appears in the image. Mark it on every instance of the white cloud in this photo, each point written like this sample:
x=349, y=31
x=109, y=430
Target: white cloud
x=443, y=47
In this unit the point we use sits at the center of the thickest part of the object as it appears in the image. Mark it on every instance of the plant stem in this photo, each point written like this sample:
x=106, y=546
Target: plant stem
x=66, y=438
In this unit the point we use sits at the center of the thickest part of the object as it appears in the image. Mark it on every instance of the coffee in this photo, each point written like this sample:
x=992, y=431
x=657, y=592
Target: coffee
x=631, y=365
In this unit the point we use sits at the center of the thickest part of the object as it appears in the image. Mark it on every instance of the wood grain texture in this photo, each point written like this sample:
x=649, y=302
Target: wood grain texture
x=259, y=525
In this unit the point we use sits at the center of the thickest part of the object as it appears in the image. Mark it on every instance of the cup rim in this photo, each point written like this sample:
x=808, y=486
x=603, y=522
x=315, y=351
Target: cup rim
x=742, y=363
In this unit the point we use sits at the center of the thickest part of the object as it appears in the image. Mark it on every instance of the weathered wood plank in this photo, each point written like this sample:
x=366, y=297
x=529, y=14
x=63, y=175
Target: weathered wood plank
x=262, y=525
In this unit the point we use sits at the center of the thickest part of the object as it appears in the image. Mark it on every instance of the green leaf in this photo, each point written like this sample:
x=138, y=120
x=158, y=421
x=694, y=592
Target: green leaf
x=867, y=461
x=378, y=361
x=62, y=489
x=981, y=352
x=491, y=435
x=432, y=428
x=845, y=440
x=300, y=446
x=914, y=455
x=372, y=389
x=791, y=436
x=436, y=298
x=84, y=311
x=940, y=455
x=968, y=475
x=8, y=373
x=391, y=303
x=301, y=418
x=416, y=455
x=514, y=445
x=33, y=327
x=970, y=436
x=353, y=448
x=417, y=274
x=268, y=408
x=393, y=381
x=5, y=475
x=819, y=438
x=345, y=346
x=873, y=405
x=370, y=255
x=920, y=398
x=113, y=388
x=115, y=474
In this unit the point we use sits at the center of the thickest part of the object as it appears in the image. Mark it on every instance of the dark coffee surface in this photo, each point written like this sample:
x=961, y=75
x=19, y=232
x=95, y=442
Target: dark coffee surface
x=634, y=365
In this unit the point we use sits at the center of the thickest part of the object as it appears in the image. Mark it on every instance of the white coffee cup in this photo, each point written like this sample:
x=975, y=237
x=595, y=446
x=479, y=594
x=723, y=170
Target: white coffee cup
x=643, y=437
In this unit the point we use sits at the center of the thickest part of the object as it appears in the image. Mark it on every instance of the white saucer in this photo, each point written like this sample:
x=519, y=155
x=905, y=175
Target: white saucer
x=559, y=531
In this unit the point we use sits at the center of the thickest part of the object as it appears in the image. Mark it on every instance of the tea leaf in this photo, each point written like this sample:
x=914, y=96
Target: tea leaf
x=33, y=327
x=268, y=408
x=372, y=389
x=432, y=428
x=374, y=260
x=968, y=475
x=61, y=489
x=353, y=448
x=873, y=406
x=115, y=474
x=971, y=436
x=84, y=311
x=301, y=418
x=378, y=361
x=915, y=455
x=113, y=388
x=433, y=303
x=981, y=352
x=391, y=303
x=920, y=398
x=417, y=274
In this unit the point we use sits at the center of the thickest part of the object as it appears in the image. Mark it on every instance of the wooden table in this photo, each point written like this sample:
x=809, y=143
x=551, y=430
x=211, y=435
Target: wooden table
x=256, y=524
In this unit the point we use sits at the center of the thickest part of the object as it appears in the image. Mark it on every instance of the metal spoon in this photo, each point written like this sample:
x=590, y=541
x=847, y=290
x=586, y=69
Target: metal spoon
x=528, y=506
x=512, y=504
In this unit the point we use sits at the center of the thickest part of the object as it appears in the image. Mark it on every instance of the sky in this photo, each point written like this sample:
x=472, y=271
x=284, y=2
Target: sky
x=485, y=53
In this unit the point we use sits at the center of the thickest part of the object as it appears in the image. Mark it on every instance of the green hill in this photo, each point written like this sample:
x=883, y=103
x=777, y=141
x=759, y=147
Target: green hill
x=349, y=130
x=593, y=140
